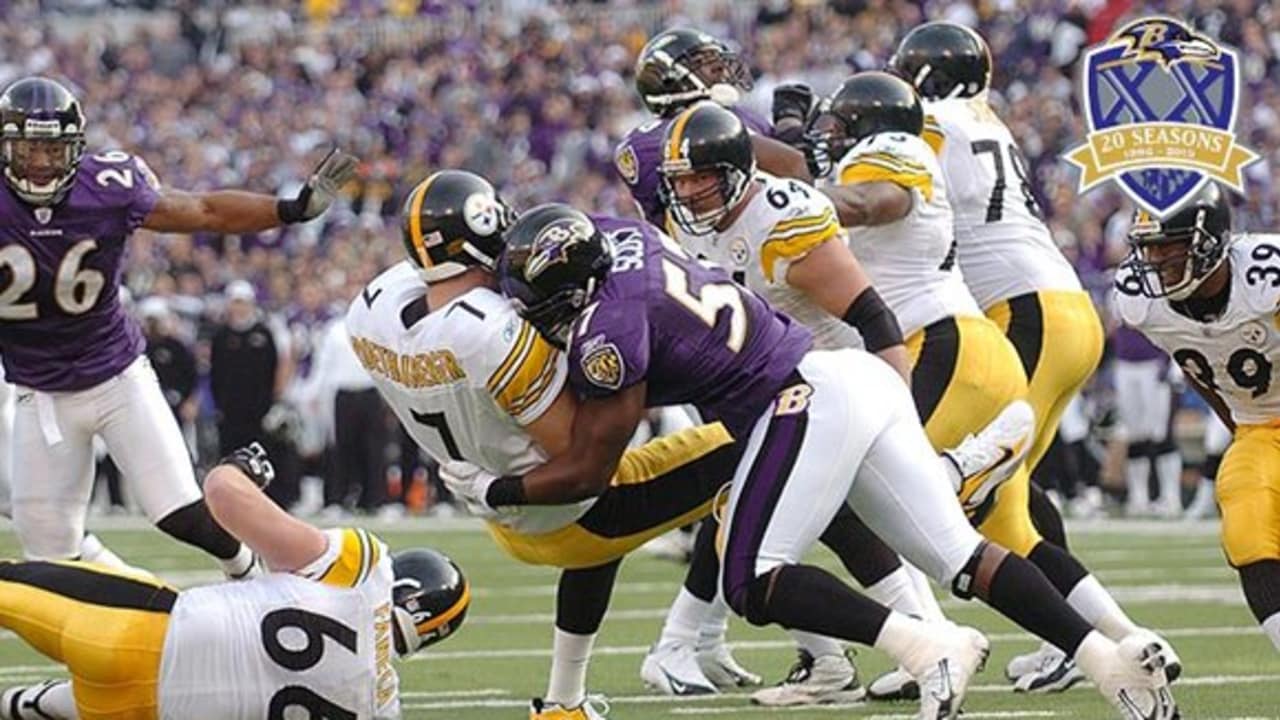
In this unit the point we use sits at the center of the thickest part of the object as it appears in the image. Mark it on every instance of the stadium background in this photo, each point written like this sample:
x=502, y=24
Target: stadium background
x=535, y=95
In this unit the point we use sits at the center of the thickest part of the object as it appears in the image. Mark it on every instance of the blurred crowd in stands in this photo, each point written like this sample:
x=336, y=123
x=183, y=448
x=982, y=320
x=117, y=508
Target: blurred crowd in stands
x=533, y=95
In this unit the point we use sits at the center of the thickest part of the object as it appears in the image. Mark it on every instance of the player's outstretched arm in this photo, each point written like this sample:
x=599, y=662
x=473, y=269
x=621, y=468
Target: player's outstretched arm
x=778, y=158
x=832, y=278
x=869, y=203
x=233, y=491
x=237, y=211
x=602, y=427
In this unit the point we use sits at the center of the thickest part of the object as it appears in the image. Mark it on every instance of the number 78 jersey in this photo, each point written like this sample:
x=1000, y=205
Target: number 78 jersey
x=1234, y=356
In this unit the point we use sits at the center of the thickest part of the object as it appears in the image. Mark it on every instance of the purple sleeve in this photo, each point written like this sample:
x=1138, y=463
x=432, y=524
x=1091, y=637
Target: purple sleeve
x=611, y=352
x=755, y=123
x=146, y=193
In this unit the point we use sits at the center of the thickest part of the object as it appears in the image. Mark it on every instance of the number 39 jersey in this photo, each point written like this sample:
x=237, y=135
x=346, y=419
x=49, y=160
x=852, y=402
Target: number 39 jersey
x=61, y=324
x=316, y=643
x=1005, y=250
x=911, y=261
x=1236, y=355
x=782, y=222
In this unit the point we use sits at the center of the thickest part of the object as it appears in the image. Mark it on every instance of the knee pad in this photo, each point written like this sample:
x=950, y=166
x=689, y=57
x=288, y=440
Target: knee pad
x=194, y=524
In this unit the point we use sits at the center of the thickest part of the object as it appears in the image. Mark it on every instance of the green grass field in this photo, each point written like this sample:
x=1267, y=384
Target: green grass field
x=1169, y=577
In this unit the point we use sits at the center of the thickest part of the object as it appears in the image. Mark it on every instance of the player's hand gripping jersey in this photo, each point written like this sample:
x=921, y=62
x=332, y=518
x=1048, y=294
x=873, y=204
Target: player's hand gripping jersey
x=780, y=225
x=911, y=261
x=317, y=642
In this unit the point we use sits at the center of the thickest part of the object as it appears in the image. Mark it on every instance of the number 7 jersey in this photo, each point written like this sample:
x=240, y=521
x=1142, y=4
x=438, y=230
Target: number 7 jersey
x=1234, y=356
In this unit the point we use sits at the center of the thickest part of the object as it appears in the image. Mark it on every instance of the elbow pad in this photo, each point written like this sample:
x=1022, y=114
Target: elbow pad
x=873, y=319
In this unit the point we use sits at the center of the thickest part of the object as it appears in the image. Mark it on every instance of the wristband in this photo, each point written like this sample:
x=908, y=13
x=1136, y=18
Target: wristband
x=291, y=210
x=505, y=491
x=873, y=319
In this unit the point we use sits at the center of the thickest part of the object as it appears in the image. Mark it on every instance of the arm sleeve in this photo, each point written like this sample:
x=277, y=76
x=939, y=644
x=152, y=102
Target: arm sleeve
x=349, y=559
x=146, y=193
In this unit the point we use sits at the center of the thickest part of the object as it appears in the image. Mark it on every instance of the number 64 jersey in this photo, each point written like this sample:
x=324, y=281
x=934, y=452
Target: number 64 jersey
x=1235, y=355
x=315, y=643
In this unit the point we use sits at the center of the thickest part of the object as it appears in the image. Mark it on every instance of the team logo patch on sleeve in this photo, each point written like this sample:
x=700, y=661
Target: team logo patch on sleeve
x=603, y=366
x=627, y=164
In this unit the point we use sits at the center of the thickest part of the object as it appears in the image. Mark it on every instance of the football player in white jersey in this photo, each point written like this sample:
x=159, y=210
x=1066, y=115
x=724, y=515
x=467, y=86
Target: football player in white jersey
x=780, y=237
x=484, y=394
x=1211, y=300
x=1008, y=258
x=316, y=635
x=891, y=192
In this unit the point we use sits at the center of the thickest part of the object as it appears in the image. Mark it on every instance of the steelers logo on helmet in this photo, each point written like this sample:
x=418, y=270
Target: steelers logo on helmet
x=481, y=213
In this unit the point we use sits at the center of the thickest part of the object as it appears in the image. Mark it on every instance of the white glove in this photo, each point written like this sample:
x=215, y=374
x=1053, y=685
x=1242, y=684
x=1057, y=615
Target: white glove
x=321, y=188
x=469, y=483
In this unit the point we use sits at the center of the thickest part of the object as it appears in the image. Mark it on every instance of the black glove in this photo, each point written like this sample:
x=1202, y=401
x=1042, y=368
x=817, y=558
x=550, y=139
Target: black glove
x=252, y=460
x=817, y=155
x=322, y=187
x=792, y=101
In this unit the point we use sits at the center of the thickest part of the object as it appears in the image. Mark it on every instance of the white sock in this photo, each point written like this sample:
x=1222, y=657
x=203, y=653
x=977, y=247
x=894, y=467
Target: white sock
x=816, y=645
x=1099, y=609
x=1137, y=476
x=56, y=701
x=684, y=619
x=1169, y=473
x=1094, y=655
x=238, y=565
x=569, y=655
x=1272, y=627
x=896, y=591
x=904, y=639
x=92, y=550
x=924, y=594
x=715, y=623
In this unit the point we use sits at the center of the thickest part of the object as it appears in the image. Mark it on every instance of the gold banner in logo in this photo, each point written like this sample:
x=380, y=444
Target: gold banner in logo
x=1161, y=145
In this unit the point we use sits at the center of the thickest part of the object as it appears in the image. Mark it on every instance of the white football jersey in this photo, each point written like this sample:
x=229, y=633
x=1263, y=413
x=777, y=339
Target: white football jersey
x=912, y=260
x=317, y=641
x=463, y=379
x=1004, y=247
x=782, y=222
x=1235, y=355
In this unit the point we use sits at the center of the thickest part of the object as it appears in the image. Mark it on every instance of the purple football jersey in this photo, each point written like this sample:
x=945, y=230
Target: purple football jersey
x=685, y=328
x=61, y=324
x=639, y=155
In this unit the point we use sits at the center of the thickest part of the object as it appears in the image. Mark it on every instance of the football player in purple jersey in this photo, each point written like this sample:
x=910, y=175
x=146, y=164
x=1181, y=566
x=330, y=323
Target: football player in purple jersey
x=75, y=357
x=676, y=69
x=646, y=325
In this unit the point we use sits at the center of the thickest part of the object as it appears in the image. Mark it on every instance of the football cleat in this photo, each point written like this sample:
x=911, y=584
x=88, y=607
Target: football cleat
x=894, y=686
x=959, y=654
x=1134, y=682
x=826, y=680
x=988, y=458
x=1058, y=675
x=720, y=667
x=593, y=707
x=1033, y=662
x=23, y=703
x=672, y=669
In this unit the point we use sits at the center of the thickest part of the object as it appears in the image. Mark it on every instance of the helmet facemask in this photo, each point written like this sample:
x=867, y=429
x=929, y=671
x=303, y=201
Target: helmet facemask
x=1162, y=271
x=699, y=213
x=40, y=166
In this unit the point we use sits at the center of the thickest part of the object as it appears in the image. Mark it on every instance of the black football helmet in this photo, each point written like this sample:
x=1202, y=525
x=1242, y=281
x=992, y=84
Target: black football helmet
x=943, y=61
x=41, y=139
x=554, y=261
x=866, y=104
x=430, y=596
x=453, y=221
x=1171, y=257
x=706, y=138
x=682, y=66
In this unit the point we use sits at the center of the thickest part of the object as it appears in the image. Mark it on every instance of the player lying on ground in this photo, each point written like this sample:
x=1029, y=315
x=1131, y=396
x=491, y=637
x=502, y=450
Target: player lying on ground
x=646, y=325
x=74, y=354
x=316, y=635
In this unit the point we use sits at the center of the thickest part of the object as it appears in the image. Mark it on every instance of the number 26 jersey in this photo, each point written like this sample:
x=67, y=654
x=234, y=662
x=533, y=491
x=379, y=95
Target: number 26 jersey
x=1235, y=355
